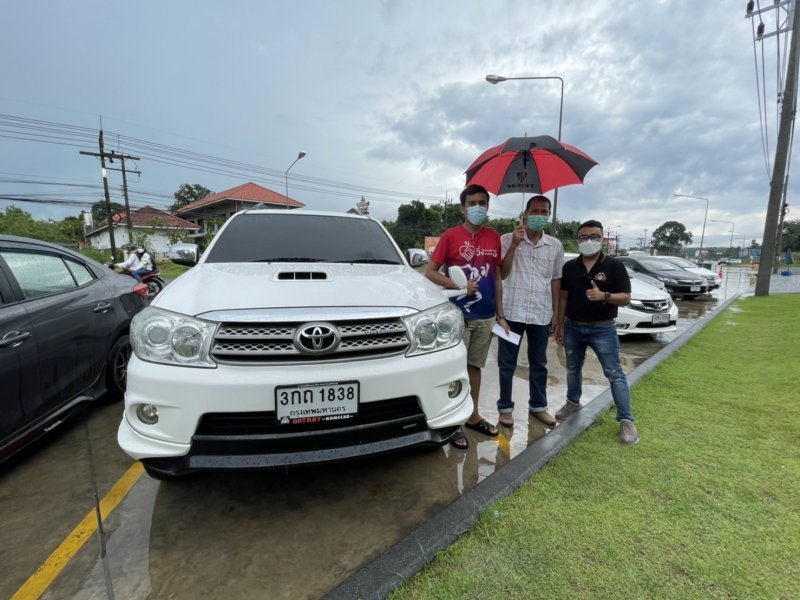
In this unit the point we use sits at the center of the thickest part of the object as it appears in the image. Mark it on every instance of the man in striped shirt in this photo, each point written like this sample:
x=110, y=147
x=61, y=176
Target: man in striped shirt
x=531, y=270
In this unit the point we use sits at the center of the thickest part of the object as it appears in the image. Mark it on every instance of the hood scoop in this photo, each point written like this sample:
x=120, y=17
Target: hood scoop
x=302, y=275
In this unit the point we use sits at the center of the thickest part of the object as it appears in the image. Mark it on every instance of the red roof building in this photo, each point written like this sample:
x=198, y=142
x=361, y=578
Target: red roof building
x=210, y=212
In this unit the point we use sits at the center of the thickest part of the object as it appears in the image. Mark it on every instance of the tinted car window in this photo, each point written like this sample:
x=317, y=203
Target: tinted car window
x=302, y=238
x=79, y=271
x=39, y=274
x=657, y=264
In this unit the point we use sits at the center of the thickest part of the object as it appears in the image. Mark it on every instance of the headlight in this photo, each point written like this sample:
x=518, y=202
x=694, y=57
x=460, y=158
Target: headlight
x=669, y=280
x=434, y=329
x=168, y=338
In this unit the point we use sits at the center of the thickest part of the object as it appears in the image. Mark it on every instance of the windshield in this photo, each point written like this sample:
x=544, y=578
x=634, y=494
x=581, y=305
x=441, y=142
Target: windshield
x=269, y=237
x=657, y=264
x=681, y=262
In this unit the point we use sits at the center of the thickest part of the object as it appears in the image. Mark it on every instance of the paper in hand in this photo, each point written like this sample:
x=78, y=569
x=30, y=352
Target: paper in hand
x=510, y=336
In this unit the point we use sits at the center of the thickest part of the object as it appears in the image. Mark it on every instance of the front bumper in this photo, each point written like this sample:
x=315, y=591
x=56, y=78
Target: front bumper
x=224, y=418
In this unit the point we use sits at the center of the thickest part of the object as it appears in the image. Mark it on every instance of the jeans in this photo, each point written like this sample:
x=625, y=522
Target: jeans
x=602, y=338
x=137, y=274
x=507, y=354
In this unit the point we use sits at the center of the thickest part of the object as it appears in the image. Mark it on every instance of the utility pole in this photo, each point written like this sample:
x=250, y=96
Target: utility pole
x=102, y=155
x=779, y=171
x=444, y=204
x=122, y=159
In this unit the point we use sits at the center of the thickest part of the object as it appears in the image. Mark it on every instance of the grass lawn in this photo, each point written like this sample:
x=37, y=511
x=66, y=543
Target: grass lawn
x=706, y=505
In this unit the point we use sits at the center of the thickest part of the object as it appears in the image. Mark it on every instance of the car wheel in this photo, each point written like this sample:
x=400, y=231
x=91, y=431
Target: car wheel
x=117, y=368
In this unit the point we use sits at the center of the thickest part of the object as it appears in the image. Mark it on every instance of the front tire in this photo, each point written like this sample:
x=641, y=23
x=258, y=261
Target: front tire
x=117, y=368
x=154, y=287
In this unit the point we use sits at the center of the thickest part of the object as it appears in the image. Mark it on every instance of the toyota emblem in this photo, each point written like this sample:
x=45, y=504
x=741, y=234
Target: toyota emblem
x=317, y=338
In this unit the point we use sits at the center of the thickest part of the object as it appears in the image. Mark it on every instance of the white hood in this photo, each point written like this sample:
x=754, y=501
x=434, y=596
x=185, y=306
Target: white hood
x=644, y=291
x=234, y=286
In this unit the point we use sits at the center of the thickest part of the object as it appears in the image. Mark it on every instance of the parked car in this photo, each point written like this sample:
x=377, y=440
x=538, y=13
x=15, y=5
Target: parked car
x=712, y=278
x=680, y=283
x=64, y=322
x=651, y=309
x=298, y=337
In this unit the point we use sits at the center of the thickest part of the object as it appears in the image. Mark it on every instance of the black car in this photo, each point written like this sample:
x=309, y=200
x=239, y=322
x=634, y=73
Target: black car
x=679, y=282
x=64, y=322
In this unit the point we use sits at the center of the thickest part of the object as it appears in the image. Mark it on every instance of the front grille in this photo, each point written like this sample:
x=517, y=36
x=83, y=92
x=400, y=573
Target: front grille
x=653, y=305
x=270, y=343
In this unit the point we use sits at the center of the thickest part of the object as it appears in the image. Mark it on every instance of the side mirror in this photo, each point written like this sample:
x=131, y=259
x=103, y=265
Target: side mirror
x=184, y=254
x=417, y=260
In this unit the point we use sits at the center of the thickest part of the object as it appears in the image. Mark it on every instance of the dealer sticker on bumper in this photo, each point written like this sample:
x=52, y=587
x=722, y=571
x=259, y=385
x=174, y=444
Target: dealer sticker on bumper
x=316, y=402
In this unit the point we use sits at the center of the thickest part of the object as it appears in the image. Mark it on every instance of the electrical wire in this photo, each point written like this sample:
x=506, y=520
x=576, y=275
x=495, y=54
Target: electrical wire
x=761, y=114
x=36, y=130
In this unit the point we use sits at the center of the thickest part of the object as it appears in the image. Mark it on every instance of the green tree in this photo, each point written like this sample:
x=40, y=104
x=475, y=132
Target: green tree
x=791, y=235
x=70, y=229
x=188, y=192
x=99, y=211
x=670, y=238
x=15, y=221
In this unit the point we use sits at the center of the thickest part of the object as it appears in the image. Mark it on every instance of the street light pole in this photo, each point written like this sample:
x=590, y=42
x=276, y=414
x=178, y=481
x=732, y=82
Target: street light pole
x=729, y=223
x=299, y=156
x=495, y=79
x=703, y=234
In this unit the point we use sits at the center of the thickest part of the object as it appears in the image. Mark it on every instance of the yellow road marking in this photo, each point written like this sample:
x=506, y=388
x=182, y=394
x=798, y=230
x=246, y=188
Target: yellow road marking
x=505, y=444
x=38, y=583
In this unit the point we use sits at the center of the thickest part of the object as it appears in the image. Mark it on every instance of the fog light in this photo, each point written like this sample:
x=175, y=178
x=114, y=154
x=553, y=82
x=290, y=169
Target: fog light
x=147, y=414
x=454, y=389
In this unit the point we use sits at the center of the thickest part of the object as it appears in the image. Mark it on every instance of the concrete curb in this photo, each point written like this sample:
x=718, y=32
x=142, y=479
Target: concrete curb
x=381, y=576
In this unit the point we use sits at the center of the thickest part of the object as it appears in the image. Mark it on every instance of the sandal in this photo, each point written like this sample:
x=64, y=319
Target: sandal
x=483, y=426
x=459, y=439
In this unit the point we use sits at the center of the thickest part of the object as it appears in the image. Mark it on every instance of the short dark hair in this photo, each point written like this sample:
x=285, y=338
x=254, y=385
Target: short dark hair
x=470, y=190
x=591, y=223
x=539, y=199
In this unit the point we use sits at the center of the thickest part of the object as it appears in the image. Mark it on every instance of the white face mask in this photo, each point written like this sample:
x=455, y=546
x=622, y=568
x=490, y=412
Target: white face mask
x=588, y=248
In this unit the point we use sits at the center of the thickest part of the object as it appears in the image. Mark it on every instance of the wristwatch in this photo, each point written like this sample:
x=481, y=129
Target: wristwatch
x=499, y=318
x=607, y=297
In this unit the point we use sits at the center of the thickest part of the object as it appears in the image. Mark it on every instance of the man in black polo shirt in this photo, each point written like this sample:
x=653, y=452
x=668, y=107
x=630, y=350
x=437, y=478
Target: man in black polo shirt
x=592, y=287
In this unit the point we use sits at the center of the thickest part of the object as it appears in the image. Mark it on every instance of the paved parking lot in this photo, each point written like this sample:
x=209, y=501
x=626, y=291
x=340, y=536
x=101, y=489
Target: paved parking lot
x=281, y=534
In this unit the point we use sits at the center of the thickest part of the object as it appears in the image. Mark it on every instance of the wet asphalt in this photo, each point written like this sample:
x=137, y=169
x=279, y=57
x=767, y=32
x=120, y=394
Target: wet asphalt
x=335, y=529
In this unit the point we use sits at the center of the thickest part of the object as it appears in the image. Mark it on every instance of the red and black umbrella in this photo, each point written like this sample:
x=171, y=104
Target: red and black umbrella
x=529, y=164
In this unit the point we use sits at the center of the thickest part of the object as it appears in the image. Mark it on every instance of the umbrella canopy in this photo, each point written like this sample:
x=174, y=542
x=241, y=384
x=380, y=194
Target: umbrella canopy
x=529, y=164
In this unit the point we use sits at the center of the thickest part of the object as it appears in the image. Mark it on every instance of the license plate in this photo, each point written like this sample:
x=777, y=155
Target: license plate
x=660, y=319
x=694, y=288
x=316, y=402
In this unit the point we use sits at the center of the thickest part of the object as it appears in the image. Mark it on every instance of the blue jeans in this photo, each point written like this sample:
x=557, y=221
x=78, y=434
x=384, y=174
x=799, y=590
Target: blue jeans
x=602, y=338
x=507, y=354
x=137, y=274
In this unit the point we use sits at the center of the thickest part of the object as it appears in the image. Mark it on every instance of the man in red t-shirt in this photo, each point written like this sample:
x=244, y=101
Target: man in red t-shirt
x=476, y=250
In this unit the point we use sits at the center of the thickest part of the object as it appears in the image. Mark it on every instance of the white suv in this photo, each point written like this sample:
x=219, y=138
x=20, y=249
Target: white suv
x=298, y=337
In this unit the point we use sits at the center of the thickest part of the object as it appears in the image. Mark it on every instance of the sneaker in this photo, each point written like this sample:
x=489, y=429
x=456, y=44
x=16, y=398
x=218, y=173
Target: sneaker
x=627, y=432
x=568, y=409
x=544, y=416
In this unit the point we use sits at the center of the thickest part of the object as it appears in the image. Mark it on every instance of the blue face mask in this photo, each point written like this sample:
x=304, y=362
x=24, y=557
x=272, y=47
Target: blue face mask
x=477, y=214
x=538, y=222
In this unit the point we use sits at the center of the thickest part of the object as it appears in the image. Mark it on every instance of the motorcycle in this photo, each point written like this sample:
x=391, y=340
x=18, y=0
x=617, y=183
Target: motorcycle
x=152, y=280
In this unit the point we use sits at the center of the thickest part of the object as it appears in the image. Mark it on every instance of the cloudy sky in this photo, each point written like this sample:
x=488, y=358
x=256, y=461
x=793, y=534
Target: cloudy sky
x=389, y=101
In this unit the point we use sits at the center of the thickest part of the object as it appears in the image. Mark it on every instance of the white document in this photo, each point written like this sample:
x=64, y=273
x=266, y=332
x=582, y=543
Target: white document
x=510, y=336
